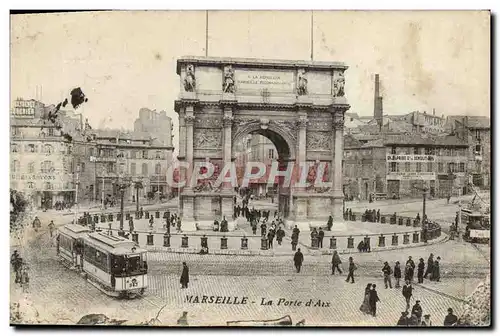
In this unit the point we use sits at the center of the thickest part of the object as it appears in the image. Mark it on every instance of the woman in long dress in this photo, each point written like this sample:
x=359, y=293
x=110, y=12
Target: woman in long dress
x=184, y=276
x=365, y=307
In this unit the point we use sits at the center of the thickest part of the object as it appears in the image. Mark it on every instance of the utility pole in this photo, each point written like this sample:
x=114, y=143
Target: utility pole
x=102, y=191
x=77, y=182
x=312, y=35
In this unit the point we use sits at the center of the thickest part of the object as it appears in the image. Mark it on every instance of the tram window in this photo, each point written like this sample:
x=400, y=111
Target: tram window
x=134, y=264
x=117, y=265
x=96, y=257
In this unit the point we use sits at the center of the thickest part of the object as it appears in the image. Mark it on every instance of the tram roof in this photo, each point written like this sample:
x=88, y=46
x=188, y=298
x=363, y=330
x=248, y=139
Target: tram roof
x=114, y=244
x=74, y=230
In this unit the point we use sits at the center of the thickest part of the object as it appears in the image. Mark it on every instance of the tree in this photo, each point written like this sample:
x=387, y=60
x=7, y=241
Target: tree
x=18, y=206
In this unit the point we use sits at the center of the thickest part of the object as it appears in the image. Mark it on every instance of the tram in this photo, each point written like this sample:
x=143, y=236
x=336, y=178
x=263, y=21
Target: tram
x=478, y=228
x=70, y=245
x=115, y=265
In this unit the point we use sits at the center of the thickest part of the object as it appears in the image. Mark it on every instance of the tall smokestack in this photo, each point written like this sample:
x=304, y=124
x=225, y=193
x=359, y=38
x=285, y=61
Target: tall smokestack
x=377, y=103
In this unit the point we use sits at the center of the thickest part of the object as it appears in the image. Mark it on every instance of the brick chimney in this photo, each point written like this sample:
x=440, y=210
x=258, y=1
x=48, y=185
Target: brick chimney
x=377, y=103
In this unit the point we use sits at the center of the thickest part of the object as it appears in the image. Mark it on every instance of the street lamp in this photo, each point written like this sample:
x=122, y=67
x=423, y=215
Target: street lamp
x=137, y=185
x=424, y=219
x=77, y=182
x=121, y=185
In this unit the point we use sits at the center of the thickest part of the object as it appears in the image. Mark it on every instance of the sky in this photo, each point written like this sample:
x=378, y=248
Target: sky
x=124, y=61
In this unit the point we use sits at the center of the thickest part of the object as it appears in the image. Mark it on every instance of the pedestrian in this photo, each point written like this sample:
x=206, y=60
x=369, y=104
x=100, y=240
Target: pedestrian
x=413, y=321
x=365, y=306
x=426, y=321
x=280, y=234
x=352, y=268
x=336, y=263
x=420, y=270
x=263, y=228
x=410, y=268
x=407, y=293
x=36, y=224
x=294, y=241
x=329, y=224
x=270, y=238
x=254, y=226
x=25, y=279
x=430, y=265
x=417, y=311
x=451, y=319
x=397, y=274
x=387, y=275
x=373, y=300
x=436, y=274
x=184, y=276
x=151, y=221
x=51, y=228
x=403, y=320
x=298, y=259
x=321, y=235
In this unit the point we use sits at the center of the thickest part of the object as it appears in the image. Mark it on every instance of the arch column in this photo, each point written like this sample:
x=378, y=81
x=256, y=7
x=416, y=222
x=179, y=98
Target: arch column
x=336, y=169
x=300, y=206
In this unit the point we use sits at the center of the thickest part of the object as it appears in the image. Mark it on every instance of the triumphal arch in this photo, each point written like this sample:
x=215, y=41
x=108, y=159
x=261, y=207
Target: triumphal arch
x=298, y=105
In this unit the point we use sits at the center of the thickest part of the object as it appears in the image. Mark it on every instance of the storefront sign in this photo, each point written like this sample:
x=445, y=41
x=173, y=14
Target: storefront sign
x=258, y=79
x=402, y=176
x=480, y=233
x=33, y=177
x=411, y=158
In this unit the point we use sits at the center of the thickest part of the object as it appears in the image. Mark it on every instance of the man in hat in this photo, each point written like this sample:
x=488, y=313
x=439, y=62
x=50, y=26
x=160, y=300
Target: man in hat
x=427, y=321
x=403, y=320
x=430, y=264
x=407, y=293
x=387, y=274
x=373, y=299
x=298, y=259
x=417, y=311
x=352, y=268
x=420, y=270
x=451, y=319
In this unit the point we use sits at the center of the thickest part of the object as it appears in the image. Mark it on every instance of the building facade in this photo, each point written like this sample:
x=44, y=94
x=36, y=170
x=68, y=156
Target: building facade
x=41, y=157
x=398, y=166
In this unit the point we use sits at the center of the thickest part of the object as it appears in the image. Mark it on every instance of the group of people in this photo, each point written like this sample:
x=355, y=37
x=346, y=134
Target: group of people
x=371, y=216
x=60, y=205
x=21, y=270
x=423, y=270
x=318, y=235
x=222, y=226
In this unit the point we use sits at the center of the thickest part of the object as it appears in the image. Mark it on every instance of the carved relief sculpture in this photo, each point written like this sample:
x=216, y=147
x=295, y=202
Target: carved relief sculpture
x=301, y=82
x=338, y=84
x=228, y=85
x=318, y=141
x=207, y=139
x=338, y=120
x=189, y=80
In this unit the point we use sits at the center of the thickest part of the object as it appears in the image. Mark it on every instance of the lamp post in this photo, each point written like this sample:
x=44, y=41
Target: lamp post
x=77, y=182
x=137, y=185
x=102, y=189
x=121, y=186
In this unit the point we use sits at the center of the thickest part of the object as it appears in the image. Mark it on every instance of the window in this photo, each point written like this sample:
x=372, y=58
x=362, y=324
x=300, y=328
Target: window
x=158, y=169
x=461, y=167
x=440, y=167
x=430, y=167
x=110, y=167
x=51, y=132
x=144, y=154
x=70, y=149
x=416, y=150
x=452, y=152
x=144, y=169
x=451, y=167
x=31, y=148
x=132, y=168
x=14, y=167
x=31, y=185
x=47, y=186
x=419, y=167
x=42, y=134
x=120, y=154
x=82, y=167
x=478, y=135
x=158, y=155
x=47, y=167
x=478, y=166
x=407, y=166
x=47, y=149
x=394, y=167
x=429, y=151
x=478, y=150
x=122, y=168
x=31, y=168
x=14, y=148
x=393, y=150
x=270, y=153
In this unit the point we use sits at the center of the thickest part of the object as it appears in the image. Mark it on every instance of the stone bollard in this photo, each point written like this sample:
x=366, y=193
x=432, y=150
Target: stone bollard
x=149, y=239
x=157, y=214
x=367, y=240
x=394, y=240
x=204, y=241
x=382, y=219
x=184, y=240
x=96, y=219
x=415, y=237
x=408, y=221
x=381, y=241
x=314, y=243
x=121, y=233
x=147, y=214
x=103, y=218
x=135, y=237
x=110, y=230
x=110, y=217
x=400, y=221
x=333, y=243
x=166, y=240
x=406, y=239
x=350, y=242
x=223, y=243
x=353, y=217
x=363, y=218
x=263, y=243
x=244, y=243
